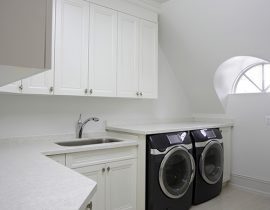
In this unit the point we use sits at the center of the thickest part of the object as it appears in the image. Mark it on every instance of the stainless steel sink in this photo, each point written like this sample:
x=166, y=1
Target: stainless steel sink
x=88, y=142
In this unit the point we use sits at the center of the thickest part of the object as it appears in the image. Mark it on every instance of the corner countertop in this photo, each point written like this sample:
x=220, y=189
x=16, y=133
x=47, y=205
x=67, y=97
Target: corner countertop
x=31, y=181
x=155, y=128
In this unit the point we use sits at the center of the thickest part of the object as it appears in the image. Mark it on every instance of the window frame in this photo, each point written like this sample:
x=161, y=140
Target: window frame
x=243, y=74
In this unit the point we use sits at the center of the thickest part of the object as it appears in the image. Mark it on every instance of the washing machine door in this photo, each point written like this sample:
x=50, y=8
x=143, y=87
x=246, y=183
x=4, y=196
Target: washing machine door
x=211, y=162
x=176, y=172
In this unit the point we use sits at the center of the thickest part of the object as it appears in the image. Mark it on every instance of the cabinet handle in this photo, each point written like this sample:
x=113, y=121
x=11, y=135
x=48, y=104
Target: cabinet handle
x=21, y=87
x=103, y=170
x=141, y=94
x=51, y=89
x=89, y=206
x=86, y=91
x=91, y=91
x=108, y=169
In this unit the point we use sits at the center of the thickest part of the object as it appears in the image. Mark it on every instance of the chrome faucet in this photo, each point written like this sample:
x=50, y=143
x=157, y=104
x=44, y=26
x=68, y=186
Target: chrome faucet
x=80, y=125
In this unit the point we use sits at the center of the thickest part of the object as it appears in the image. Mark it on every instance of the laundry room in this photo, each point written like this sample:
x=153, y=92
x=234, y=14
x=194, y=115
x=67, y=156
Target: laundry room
x=134, y=105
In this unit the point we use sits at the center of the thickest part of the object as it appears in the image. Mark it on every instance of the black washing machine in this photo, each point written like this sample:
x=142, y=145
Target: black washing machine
x=170, y=170
x=209, y=158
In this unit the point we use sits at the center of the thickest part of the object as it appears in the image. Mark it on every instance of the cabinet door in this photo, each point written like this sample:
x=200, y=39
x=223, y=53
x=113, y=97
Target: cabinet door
x=39, y=84
x=103, y=51
x=43, y=83
x=71, y=47
x=96, y=173
x=226, y=133
x=121, y=185
x=148, y=73
x=12, y=88
x=128, y=68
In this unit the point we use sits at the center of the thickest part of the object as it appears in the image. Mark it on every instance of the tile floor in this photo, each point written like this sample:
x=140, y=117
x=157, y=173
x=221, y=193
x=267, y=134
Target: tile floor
x=233, y=198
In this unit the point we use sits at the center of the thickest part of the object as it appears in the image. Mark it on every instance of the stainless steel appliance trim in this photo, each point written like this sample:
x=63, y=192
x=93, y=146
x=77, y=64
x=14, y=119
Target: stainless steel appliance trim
x=161, y=169
x=202, y=161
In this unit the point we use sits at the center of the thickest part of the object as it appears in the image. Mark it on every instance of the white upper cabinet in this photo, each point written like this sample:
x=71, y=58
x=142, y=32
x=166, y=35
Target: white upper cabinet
x=128, y=55
x=148, y=73
x=39, y=84
x=24, y=38
x=103, y=51
x=71, y=47
x=15, y=87
x=97, y=51
x=42, y=83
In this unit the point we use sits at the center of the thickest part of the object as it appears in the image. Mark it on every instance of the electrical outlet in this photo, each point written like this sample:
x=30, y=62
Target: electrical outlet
x=267, y=120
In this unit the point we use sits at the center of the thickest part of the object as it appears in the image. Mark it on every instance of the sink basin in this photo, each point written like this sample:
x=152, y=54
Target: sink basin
x=88, y=142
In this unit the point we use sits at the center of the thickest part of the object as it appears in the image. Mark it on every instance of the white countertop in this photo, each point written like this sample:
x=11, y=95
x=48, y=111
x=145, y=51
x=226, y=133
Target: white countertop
x=155, y=128
x=31, y=181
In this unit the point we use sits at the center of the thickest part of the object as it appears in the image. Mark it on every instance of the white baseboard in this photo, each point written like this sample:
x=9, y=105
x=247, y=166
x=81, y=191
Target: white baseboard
x=251, y=184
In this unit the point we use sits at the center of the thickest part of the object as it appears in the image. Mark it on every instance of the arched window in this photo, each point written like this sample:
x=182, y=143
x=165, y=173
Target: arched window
x=254, y=79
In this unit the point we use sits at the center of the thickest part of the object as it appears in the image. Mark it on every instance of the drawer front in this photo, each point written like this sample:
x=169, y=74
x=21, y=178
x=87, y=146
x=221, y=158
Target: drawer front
x=58, y=158
x=82, y=159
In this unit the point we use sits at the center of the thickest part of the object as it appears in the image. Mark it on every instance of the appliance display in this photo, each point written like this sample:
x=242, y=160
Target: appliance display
x=170, y=170
x=209, y=159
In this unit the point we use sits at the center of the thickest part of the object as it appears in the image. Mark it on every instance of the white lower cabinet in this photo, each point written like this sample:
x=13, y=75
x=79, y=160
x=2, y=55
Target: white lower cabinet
x=98, y=174
x=116, y=183
x=121, y=185
x=226, y=134
x=114, y=170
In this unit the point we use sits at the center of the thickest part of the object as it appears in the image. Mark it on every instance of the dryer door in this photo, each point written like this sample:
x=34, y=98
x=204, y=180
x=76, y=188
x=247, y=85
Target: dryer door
x=176, y=172
x=211, y=162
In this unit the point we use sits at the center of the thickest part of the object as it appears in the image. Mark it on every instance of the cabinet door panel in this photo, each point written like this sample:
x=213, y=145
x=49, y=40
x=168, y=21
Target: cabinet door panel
x=95, y=173
x=121, y=185
x=11, y=88
x=148, y=78
x=103, y=51
x=39, y=84
x=71, y=56
x=128, y=68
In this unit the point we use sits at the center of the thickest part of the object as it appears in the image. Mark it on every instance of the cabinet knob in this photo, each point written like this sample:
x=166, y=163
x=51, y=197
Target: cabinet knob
x=108, y=169
x=51, y=89
x=137, y=93
x=89, y=206
x=91, y=91
x=86, y=91
x=103, y=170
x=141, y=94
x=21, y=87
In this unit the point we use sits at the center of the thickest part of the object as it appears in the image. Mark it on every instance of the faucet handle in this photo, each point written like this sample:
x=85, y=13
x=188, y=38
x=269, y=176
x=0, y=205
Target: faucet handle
x=80, y=119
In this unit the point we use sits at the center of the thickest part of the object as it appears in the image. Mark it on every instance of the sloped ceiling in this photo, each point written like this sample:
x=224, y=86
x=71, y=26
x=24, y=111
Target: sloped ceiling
x=198, y=36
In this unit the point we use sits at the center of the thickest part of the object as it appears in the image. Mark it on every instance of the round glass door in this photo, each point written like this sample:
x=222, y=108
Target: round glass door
x=211, y=162
x=176, y=172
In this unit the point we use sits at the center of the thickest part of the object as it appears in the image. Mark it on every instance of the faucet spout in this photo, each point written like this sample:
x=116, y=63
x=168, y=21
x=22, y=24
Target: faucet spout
x=80, y=125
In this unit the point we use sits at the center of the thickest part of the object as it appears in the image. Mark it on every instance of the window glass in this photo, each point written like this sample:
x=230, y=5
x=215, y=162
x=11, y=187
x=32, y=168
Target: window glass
x=254, y=80
x=255, y=75
x=245, y=86
x=267, y=76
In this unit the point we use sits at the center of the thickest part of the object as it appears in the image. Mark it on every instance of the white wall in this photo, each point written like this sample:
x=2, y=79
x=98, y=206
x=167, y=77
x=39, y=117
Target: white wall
x=251, y=136
x=198, y=36
x=27, y=115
